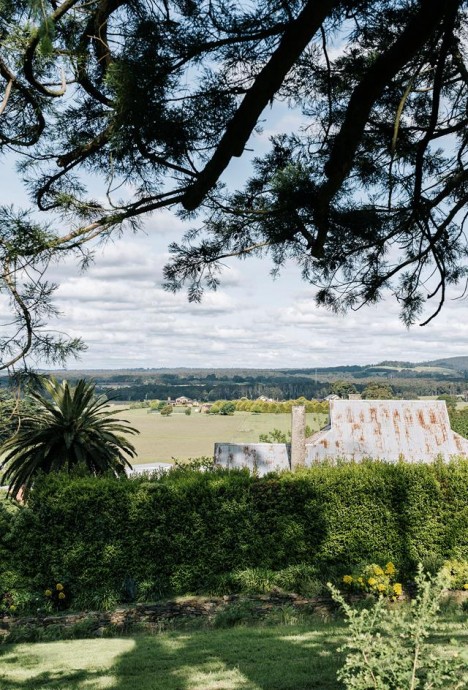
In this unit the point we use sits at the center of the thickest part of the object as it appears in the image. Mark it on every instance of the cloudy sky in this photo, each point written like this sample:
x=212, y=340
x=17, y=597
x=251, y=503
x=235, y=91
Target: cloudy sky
x=120, y=310
x=127, y=320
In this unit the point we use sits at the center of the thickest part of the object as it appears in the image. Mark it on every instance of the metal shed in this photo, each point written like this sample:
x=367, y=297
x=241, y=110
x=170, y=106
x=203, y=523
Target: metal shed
x=411, y=430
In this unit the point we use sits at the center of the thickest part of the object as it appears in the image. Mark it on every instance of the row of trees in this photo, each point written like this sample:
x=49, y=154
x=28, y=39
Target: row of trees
x=259, y=406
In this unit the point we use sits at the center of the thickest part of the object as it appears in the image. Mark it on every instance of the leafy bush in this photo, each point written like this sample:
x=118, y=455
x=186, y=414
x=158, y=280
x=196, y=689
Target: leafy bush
x=278, y=436
x=457, y=574
x=189, y=531
x=375, y=579
x=17, y=597
x=241, y=613
x=57, y=597
x=389, y=647
x=299, y=579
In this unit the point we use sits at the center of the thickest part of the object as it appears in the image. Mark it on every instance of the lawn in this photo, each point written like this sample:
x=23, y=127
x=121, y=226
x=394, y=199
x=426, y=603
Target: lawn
x=287, y=657
x=243, y=658
x=180, y=436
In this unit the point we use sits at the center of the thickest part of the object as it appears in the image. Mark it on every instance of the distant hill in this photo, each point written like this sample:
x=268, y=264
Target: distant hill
x=457, y=363
x=445, y=376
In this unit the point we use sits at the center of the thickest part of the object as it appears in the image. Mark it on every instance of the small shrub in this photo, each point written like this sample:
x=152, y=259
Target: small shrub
x=284, y=615
x=300, y=579
x=255, y=580
x=97, y=600
x=57, y=596
x=23, y=633
x=375, y=579
x=457, y=572
x=82, y=629
x=16, y=594
x=241, y=613
x=389, y=647
x=148, y=590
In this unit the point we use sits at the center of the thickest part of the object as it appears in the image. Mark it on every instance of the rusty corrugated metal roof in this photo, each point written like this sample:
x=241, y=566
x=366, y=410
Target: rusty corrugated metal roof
x=413, y=430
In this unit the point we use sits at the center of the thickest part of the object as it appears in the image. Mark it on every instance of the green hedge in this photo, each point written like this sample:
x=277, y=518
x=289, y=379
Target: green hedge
x=185, y=531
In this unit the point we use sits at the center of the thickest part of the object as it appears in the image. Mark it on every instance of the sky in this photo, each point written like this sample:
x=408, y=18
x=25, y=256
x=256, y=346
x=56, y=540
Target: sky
x=127, y=320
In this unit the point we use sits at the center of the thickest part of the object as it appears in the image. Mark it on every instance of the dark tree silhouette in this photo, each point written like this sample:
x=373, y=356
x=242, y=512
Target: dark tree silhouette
x=369, y=194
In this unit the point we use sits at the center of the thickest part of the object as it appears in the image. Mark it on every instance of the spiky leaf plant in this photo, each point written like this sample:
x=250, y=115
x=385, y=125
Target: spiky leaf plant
x=72, y=426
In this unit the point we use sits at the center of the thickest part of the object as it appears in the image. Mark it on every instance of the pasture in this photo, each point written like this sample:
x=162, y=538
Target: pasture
x=180, y=437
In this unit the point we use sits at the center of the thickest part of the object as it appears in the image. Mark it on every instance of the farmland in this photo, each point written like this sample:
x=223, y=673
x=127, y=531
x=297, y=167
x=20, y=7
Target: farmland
x=181, y=437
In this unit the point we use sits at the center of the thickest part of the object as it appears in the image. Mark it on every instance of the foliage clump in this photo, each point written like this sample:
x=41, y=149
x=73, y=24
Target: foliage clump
x=70, y=427
x=375, y=579
x=388, y=648
x=189, y=531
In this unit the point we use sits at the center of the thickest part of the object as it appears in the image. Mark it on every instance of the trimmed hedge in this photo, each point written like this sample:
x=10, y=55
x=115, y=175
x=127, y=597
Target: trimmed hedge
x=187, y=530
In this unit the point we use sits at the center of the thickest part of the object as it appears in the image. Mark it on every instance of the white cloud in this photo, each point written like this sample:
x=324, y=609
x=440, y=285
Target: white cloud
x=123, y=314
x=120, y=309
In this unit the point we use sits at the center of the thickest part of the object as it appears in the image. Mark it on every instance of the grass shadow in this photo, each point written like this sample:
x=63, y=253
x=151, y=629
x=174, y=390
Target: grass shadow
x=295, y=658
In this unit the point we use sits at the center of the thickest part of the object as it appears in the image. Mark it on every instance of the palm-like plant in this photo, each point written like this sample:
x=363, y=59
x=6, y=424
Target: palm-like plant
x=71, y=427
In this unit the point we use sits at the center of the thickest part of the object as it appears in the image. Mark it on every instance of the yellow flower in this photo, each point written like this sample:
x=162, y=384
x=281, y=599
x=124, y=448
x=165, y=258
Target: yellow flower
x=12, y=607
x=48, y=592
x=372, y=581
x=347, y=579
x=61, y=595
x=390, y=569
x=465, y=586
x=59, y=587
x=398, y=589
x=360, y=581
x=377, y=570
x=381, y=587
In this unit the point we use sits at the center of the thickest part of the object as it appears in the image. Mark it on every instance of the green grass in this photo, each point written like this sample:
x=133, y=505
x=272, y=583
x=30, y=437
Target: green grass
x=300, y=657
x=244, y=658
x=180, y=436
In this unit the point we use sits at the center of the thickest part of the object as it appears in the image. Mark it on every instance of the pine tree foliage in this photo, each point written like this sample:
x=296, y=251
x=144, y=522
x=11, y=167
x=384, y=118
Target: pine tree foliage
x=159, y=96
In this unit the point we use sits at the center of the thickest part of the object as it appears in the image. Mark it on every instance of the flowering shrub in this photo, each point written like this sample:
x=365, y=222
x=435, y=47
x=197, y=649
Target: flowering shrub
x=57, y=596
x=457, y=574
x=7, y=604
x=389, y=647
x=374, y=579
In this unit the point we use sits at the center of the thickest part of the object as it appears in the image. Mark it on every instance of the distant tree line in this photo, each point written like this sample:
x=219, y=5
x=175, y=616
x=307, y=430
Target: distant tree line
x=225, y=407
x=221, y=390
x=283, y=390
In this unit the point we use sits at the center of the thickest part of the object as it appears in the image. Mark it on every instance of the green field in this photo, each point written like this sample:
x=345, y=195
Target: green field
x=180, y=437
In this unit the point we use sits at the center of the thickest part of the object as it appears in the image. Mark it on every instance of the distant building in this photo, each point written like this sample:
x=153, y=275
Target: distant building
x=389, y=430
x=411, y=430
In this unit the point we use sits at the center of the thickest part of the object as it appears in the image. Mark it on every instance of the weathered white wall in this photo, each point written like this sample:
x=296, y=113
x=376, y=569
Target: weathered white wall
x=259, y=458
